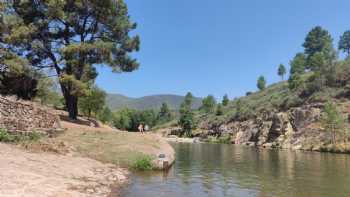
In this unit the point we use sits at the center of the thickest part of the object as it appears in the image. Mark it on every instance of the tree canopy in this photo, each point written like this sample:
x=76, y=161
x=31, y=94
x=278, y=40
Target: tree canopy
x=319, y=40
x=71, y=38
x=281, y=71
x=261, y=83
x=344, y=42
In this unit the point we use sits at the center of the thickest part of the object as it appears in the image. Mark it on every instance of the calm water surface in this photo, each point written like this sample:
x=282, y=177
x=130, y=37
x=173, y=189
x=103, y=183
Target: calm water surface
x=226, y=170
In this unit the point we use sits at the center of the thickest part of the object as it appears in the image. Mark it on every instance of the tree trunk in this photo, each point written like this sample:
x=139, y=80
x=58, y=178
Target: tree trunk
x=72, y=106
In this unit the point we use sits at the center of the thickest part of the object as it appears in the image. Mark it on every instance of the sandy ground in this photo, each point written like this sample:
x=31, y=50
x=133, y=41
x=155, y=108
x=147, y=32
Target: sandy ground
x=35, y=175
x=81, y=161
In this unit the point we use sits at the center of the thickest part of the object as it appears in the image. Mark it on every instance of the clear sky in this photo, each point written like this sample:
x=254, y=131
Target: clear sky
x=219, y=46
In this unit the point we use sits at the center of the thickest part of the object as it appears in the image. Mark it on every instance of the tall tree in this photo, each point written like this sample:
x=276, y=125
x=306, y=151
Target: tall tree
x=319, y=40
x=344, y=42
x=208, y=104
x=225, y=100
x=164, y=113
x=281, y=71
x=71, y=38
x=332, y=120
x=297, y=67
x=186, y=115
x=261, y=83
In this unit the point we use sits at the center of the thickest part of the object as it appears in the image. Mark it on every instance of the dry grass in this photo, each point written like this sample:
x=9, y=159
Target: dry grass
x=112, y=146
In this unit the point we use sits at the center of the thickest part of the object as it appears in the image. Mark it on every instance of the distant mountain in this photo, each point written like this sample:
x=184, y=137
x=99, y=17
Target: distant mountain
x=118, y=101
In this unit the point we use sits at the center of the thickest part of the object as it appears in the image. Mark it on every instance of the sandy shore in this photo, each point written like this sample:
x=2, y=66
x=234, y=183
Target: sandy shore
x=44, y=174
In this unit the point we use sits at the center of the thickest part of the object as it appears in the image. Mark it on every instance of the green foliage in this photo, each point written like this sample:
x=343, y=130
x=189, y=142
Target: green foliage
x=281, y=71
x=129, y=119
x=225, y=100
x=71, y=38
x=344, y=42
x=319, y=40
x=93, y=102
x=123, y=119
x=261, y=83
x=186, y=115
x=9, y=137
x=208, y=104
x=332, y=120
x=164, y=114
x=219, y=110
x=47, y=93
x=143, y=163
x=298, y=64
x=105, y=115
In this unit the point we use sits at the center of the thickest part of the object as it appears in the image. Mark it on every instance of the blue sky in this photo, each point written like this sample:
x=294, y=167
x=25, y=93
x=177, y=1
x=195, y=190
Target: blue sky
x=221, y=46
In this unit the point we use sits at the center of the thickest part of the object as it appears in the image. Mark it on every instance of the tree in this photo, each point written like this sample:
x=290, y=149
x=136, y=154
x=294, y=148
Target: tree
x=186, y=115
x=225, y=100
x=208, y=104
x=219, y=110
x=281, y=71
x=71, y=38
x=261, y=84
x=344, y=42
x=105, y=115
x=319, y=40
x=332, y=120
x=93, y=102
x=297, y=68
x=164, y=113
x=298, y=64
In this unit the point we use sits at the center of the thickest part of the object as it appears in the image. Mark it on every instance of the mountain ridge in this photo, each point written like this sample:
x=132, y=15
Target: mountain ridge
x=119, y=101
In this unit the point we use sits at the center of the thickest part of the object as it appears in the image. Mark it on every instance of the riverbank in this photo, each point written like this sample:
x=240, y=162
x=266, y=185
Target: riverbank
x=24, y=173
x=80, y=161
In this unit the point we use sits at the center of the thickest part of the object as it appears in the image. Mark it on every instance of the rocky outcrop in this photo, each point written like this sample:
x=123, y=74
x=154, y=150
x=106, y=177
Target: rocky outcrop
x=20, y=116
x=296, y=128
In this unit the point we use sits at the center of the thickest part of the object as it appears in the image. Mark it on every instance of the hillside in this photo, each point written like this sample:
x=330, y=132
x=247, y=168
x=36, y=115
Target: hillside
x=279, y=117
x=118, y=101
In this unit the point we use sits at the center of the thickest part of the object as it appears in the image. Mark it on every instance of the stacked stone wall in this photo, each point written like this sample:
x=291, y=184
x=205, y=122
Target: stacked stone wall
x=21, y=116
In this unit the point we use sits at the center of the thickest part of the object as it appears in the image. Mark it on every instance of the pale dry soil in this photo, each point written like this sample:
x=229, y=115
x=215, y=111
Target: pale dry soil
x=34, y=175
x=81, y=161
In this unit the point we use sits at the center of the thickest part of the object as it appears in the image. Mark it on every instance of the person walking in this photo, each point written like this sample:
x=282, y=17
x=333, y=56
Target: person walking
x=140, y=128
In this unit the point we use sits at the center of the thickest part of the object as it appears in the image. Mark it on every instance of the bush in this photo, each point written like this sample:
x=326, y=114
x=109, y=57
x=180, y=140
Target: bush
x=143, y=163
x=8, y=137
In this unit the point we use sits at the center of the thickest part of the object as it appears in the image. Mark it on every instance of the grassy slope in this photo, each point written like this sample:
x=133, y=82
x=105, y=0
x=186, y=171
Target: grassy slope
x=111, y=146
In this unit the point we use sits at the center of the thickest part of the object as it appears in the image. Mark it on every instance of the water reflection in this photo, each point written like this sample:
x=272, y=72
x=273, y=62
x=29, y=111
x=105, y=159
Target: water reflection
x=225, y=170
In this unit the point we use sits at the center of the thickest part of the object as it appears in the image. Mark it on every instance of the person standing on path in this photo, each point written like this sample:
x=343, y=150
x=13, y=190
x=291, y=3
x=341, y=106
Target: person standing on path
x=140, y=128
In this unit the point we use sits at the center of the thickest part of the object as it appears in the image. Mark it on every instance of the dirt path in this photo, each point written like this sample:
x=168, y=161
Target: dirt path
x=43, y=174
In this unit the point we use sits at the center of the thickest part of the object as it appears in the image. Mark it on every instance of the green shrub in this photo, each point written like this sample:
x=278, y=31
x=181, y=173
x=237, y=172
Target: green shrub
x=143, y=163
x=5, y=136
x=8, y=137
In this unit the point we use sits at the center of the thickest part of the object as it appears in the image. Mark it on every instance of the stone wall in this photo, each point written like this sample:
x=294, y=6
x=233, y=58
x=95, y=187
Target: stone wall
x=21, y=116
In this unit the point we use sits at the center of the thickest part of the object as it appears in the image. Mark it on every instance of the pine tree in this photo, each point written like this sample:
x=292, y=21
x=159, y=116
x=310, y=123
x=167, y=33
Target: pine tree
x=261, y=83
x=225, y=100
x=281, y=71
x=164, y=113
x=70, y=38
x=319, y=40
x=344, y=42
x=186, y=115
x=208, y=104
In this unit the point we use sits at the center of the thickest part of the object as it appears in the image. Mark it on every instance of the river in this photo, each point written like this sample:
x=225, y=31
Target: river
x=216, y=170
